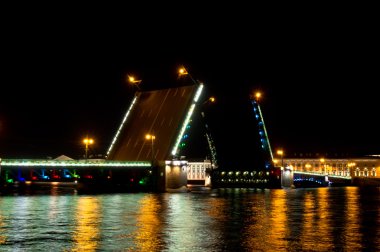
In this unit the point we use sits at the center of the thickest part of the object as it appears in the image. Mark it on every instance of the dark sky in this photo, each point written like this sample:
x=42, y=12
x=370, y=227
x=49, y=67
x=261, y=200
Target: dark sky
x=63, y=76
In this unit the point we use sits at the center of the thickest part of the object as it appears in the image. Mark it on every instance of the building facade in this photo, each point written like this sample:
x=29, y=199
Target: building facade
x=197, y=172
x=347, y=167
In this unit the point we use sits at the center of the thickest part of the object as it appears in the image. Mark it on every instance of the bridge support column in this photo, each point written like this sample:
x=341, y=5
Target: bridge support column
x=176, y=176
x=287, y=177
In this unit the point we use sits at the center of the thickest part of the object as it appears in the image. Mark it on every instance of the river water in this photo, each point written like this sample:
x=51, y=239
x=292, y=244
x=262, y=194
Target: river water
x=318, y=219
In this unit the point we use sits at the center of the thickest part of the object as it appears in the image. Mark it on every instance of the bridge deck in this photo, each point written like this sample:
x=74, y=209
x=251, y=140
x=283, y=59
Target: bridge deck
x=159, y=113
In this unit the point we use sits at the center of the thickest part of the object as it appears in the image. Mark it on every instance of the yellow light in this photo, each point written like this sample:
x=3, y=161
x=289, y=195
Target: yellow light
x=182, y=71
x=133, y=80
x=258, y=95
x=280, y=152
x=322, y=160
x=149, y=136
x=88, y=141
x=212, y=99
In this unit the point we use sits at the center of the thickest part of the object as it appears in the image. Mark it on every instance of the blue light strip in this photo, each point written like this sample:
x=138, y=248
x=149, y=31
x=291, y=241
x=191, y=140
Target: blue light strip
x=265, y=131
x=322, y=175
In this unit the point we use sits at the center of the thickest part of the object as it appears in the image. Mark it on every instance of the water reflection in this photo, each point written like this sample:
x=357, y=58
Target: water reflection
x=368, y=217
x=20, y=219
x=278, y=219
x=266, y=221
x=309, y=221
x=323, y=215
x=148, y=224
x=321, y=219
x=351, y=232
x=3, y=237
x=86, y=236
x=189, y=225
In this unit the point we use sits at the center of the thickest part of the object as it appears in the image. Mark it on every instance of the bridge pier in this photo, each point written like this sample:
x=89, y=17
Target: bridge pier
x=287, y=177
x=176, y=176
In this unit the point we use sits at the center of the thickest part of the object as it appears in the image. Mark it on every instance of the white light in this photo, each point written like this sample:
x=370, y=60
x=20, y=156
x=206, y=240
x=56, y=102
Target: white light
x=121, y=125
x=198, y=93
x=72, y=163
x=187, y=119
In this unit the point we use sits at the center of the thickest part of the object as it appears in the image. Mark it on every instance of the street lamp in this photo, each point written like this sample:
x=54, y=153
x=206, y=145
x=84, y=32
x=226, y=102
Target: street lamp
x=211, y=99
x=258, y=96
x=281, y=153
x=183, y=71
x=133, y=81
x=152, y=138
x=87, y=141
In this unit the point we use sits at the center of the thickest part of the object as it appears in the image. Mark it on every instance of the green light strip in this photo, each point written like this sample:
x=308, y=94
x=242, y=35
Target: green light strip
x=180, y=135
x=71, y=163
x=187, y=119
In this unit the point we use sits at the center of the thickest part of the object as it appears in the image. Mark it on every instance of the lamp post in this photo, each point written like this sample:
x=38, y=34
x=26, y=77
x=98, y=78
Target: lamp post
x=152, y=138
x=211, y=99
x=183, y=71
x=132, y=80
x=87, y=141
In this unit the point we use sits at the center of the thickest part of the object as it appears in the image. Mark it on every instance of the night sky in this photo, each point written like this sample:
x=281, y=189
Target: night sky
x=63, y=77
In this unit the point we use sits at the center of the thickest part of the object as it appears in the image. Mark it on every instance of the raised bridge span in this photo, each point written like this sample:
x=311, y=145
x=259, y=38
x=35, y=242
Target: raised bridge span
x=146, y=149
x=150, y=133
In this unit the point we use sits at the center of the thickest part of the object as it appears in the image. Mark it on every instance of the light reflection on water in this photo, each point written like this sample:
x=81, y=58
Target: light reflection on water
x=88, y=219
x=322, y=219
x=149, y=225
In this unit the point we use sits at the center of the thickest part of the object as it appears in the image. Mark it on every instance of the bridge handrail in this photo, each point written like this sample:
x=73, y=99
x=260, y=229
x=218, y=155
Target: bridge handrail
x=73, y=163
x=321, y=174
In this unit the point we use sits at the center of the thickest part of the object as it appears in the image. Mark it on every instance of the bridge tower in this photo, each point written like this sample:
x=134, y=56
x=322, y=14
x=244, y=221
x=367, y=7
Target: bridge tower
x=265, y=145
x=211, y=144
x=274, y=172
x=210, y=141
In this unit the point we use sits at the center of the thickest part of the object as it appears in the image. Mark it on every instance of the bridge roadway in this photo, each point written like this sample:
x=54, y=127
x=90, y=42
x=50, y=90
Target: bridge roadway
x=137, y=175
x=265, y=178
x=163, y=113
x=140, y=176
x=104, y=174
